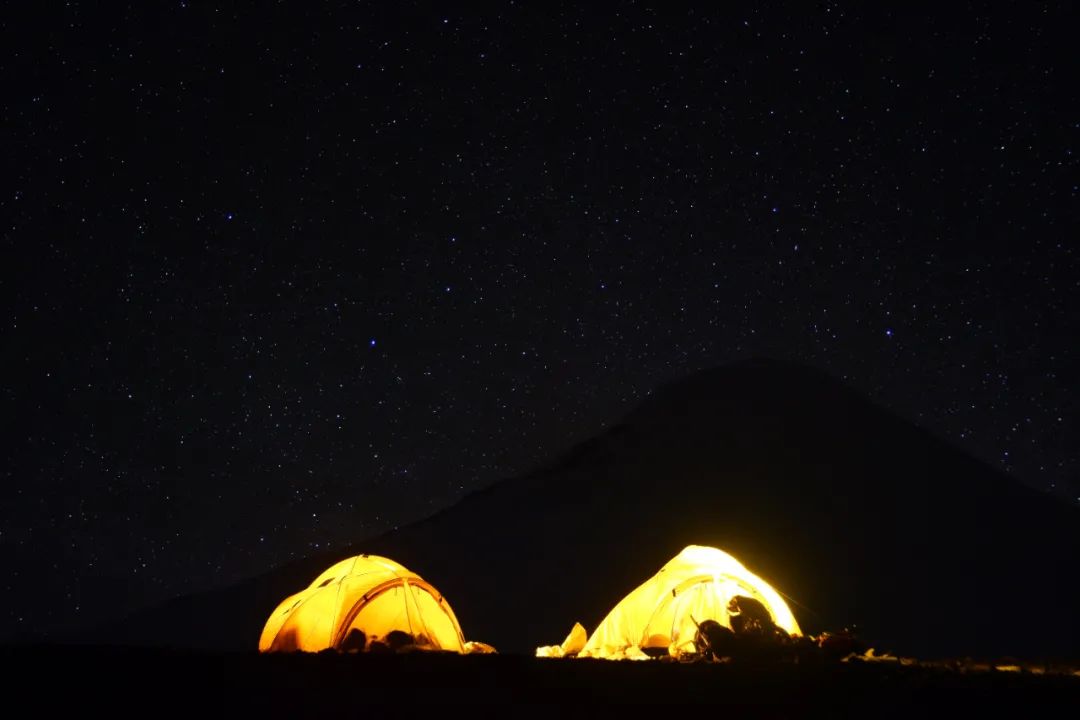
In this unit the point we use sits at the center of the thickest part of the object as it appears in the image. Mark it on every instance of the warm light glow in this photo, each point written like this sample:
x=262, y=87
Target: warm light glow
x=696, y=585
x=367, y=593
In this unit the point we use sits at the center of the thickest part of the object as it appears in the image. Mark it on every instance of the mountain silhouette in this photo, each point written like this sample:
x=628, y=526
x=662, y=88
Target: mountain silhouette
x=859, y=517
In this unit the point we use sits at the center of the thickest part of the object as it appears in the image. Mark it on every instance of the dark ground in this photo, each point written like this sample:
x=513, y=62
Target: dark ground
x=141, y=681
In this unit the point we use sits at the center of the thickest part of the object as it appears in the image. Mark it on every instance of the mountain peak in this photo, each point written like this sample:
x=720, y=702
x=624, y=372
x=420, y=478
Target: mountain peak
x=857, y=516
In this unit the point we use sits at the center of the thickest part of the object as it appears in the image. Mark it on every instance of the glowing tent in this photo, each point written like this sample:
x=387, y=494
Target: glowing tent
x=698, y=584
x=369, y=594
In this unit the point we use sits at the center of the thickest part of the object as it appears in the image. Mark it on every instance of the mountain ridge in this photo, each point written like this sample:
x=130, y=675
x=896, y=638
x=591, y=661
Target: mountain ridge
x=856, y=514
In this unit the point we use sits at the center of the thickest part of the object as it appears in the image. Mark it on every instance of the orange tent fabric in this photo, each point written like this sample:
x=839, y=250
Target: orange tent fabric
x=368, y=593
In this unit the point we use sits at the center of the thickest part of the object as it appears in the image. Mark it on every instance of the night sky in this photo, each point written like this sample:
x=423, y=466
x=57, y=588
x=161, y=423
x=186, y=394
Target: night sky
x=277, y=278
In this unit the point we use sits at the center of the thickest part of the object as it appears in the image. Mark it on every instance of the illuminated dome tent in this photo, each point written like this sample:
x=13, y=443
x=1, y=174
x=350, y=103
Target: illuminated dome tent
x=367, y=593
x=695, y=586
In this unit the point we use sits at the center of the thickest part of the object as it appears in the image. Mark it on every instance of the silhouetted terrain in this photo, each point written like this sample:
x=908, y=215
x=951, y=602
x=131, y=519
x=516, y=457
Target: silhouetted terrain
x=126, y=681
x=121, y=681
x=857, y=515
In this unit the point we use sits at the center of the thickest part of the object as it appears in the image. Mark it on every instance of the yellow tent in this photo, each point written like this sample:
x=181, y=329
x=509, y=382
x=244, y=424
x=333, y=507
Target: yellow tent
x=696, y=585
x=367, y=593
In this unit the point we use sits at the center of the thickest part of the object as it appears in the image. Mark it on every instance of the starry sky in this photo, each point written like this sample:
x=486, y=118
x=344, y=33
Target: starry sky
x=279, y=276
